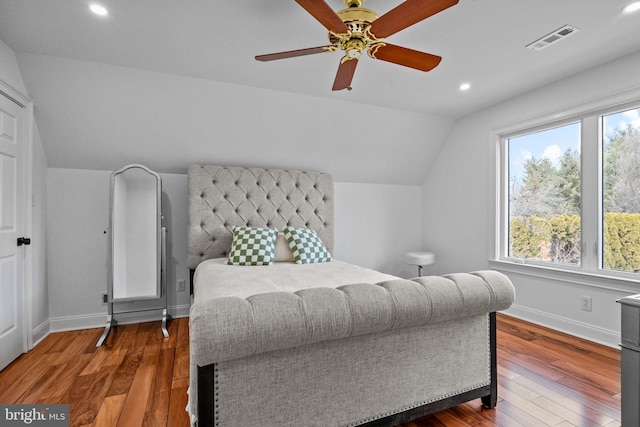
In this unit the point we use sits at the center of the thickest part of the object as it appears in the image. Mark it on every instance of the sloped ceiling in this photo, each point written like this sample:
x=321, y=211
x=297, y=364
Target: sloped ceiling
x=96, y=116
x=169, y=83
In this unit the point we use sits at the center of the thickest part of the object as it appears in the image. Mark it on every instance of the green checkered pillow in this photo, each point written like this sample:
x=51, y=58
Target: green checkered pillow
x=252, y=246
x=306, y=246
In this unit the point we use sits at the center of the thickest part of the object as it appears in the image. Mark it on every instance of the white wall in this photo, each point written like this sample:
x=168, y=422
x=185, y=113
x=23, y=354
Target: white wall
x=9, y=71
x=375, y=225
x=10, y=75
x=459, y=203
x=77, y=221
x=39, y=282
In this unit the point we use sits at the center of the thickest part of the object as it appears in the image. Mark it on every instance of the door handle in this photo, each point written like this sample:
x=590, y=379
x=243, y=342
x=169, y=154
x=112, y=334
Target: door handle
x=24, y=241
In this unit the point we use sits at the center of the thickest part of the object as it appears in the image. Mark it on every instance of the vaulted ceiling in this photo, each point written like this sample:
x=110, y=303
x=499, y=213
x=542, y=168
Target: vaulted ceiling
x=78, y=67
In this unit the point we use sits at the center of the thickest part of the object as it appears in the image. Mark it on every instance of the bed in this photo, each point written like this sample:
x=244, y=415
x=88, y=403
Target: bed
x=324, y=343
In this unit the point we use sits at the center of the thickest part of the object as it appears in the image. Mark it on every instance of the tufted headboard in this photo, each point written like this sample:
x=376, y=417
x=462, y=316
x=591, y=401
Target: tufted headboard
x=221, y=197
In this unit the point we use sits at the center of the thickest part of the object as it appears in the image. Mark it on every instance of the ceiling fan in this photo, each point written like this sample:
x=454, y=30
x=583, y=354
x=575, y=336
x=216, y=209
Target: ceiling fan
x=357, y=29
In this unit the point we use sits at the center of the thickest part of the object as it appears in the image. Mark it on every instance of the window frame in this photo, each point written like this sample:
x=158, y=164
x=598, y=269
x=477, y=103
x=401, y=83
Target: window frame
x=506, y=187
x=589, y=271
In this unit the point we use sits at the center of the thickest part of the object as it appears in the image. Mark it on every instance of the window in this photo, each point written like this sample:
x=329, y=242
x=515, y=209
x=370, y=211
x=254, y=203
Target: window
x=571, y=193
x=544, y=195
x=621, y=191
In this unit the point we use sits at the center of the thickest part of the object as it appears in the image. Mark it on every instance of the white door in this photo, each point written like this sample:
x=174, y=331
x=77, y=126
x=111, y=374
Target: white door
x=12, y=148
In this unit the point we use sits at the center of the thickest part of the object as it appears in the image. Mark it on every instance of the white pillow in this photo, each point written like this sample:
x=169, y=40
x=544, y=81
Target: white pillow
x=283, y=251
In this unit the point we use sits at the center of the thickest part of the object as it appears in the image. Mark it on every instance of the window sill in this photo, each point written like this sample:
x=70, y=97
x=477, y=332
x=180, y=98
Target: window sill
x=602, y=281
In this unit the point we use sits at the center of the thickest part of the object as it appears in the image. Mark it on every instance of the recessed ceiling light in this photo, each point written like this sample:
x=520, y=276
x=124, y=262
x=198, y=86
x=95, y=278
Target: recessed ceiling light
x=98, y=9
x=464, y=86
x=631, y=7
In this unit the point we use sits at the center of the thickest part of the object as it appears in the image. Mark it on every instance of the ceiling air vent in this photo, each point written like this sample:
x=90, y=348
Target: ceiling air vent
x=553, y=37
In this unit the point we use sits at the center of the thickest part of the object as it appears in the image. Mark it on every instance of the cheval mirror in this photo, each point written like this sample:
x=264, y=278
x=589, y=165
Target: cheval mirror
x=136, y=279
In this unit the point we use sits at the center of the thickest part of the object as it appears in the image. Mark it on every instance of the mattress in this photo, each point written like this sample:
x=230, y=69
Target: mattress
x=215, y=279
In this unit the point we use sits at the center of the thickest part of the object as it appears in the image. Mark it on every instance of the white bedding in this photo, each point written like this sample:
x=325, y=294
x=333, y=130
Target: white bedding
x=215, y=279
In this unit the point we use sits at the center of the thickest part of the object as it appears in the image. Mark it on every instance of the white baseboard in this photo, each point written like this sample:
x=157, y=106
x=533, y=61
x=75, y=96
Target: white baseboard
x=40, y=332
x=99, y=320
x=180, y=310
x=569, y=326
x=74, y=323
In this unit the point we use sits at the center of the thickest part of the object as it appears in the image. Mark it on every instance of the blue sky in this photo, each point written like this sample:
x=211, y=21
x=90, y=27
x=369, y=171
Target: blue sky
x=550, y=144
x=553, y=143
x=621, y=120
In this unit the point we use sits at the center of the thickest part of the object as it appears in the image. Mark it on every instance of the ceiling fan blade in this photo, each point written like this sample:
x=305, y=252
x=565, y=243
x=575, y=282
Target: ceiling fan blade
x=320, y=10
x=405, y=56
x=345, y=74
x=294, y=53
x=406, y=14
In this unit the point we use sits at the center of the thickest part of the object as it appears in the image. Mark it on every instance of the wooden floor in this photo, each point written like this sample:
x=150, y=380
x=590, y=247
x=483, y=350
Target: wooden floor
x=140, y=379
x=545, y=378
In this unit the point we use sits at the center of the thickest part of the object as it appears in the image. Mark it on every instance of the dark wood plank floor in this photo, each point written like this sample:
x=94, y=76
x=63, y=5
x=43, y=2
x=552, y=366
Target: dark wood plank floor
x=140, y=378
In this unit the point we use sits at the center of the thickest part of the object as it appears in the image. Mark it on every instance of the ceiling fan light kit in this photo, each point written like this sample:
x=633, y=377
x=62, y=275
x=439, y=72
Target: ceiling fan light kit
x=356, y=29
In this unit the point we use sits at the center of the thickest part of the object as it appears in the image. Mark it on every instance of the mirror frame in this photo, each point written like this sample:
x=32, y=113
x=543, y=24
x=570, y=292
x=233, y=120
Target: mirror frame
x=112, y=239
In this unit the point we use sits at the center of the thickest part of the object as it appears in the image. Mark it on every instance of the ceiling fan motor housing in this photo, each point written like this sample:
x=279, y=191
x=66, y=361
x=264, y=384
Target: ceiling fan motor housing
x=357, y=40
x=353, y=3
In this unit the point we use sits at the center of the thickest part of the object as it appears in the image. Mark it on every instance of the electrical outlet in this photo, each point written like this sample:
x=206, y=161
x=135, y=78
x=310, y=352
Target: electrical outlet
x=104, y=299
x=181, y=285
x=585, y=303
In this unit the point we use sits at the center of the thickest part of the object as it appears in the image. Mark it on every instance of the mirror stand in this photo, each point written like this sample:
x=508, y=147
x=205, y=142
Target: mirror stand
x=137, y=271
